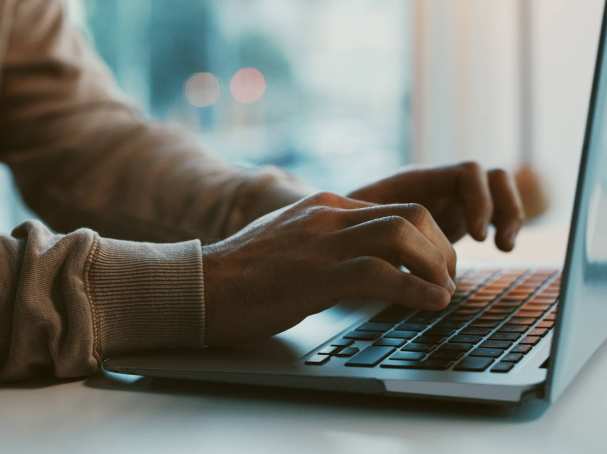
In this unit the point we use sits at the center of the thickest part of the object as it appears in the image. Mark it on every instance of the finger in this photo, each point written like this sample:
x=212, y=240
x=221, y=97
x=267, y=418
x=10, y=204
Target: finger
x=508, y=209
x=473, y=189
x=396, y=240
x=375, y=279
x=419, y=217
x=329, y=199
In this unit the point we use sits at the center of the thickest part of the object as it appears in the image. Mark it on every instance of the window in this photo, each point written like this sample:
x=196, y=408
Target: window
x=320, y=88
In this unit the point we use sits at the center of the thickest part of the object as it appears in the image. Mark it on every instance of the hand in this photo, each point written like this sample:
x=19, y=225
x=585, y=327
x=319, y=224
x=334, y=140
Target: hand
x=307, y=256
x=462, y=198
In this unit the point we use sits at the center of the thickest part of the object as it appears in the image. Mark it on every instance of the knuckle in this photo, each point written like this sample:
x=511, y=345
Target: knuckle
x=395, y=226
x=500, y=173
x=419, y=214
x=325, y=198
x=318, y=213
x=471, y=167
x=370, y=266
x=439, y=259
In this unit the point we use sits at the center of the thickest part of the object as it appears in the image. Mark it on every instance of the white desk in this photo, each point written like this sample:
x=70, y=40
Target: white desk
x=100, y=415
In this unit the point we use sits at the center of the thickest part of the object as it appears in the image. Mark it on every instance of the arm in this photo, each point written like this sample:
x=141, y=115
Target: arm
x=82, y=155
x=67, y=301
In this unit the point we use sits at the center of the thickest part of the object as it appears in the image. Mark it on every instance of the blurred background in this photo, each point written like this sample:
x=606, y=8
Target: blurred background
x=341, y=93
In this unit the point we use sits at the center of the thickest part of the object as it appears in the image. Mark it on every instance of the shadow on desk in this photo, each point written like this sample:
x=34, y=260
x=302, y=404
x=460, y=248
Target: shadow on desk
x=528, y=411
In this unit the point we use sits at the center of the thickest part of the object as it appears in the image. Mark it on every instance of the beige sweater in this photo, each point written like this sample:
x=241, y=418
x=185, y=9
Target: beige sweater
x=85, y=159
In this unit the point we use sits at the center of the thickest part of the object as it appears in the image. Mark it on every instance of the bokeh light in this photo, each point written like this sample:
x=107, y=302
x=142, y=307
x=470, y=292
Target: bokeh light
x=248, y=85
x=202, y=90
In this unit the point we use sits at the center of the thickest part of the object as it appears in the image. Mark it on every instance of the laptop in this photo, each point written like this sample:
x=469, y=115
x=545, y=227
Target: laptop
x=507, y=334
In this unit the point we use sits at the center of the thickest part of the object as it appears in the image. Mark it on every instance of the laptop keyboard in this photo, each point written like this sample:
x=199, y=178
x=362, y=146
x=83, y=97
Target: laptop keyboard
x=494, y=319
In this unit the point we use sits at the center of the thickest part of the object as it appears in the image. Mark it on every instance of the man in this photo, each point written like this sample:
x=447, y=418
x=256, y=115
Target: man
x=229, y=256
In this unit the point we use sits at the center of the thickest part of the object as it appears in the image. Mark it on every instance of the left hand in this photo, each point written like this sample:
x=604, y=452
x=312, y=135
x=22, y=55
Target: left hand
x=462, y=198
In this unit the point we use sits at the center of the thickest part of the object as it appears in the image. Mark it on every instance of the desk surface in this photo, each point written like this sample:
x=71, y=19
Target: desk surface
x=101, y=415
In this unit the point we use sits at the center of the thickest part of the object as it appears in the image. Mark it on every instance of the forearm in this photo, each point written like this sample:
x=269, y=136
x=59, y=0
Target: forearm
x=68, y=301
x=83, y=156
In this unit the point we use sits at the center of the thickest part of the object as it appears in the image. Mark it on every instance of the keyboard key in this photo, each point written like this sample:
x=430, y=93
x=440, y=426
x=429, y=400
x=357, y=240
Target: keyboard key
x=347, y=352
x=400, y=364
x=522, y=321
x=387, y=342
x=401, y=334
x=317, y=360
x=462, y=319
x=522, y=349
x=502, y=367
x=457, y=347
x=369, y=357
x=465, y=339
x=424, y=316
x=484, y=295
x=417, y=347
x=329, y=350
x=447, y=324
x=451, y=355
x=545, y=324
x=485, y=324
x=530, y=340
x=514, y=297
x=510, y=305
x=362, y=335
x=504, y=336
x=407, y=356
x=438, y=330
x=503, y=311
x=526, y=313
x=341, y=342
x=375, y=326
x=496, y=344
x=539, y=332
x=434, y=364
x=513, y=357
x=531, y=306
x=489, y=352
x=467, y=311
x=476, y=304
x=412, y=327
x=476, y=331
x=474, y=363
x=430, y=340
x=421, y=319
x=497, y=318
x=508, y=328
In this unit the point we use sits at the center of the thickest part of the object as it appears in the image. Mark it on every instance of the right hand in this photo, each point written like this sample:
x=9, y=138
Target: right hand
x=306, y=257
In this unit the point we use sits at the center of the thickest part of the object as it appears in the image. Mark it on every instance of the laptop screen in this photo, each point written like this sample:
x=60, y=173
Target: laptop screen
x=582, y=324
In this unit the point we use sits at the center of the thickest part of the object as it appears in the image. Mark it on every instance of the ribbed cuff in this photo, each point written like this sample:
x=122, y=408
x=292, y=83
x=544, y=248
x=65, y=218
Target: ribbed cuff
x=145, y=296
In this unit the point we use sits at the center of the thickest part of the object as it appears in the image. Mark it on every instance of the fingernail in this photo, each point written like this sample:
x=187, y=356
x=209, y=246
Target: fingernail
x=484, y=231
x=509, y=239
x=481, y=229
x=512, y=237
x=452, y=286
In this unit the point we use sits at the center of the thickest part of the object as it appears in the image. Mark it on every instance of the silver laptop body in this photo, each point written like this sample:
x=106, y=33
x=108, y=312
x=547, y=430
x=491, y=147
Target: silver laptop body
x=545, y=371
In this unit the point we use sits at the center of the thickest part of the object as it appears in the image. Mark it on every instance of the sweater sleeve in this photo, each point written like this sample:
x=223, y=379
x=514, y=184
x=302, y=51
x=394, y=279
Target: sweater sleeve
x=82, y=155
x=68, y=300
